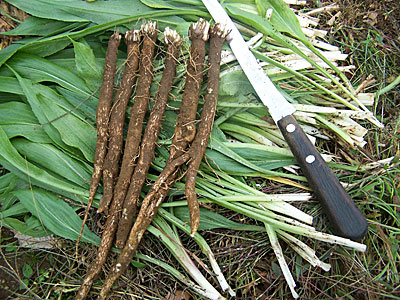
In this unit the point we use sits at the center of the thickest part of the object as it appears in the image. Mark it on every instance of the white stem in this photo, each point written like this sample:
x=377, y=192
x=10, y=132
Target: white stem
x=268, y=197
x=333, y=239
x=220, y=276
x=279, y=254
x=304, y=250
x=289, y=210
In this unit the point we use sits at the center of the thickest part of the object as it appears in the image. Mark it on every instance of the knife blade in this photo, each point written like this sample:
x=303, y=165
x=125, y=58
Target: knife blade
x=345, y=218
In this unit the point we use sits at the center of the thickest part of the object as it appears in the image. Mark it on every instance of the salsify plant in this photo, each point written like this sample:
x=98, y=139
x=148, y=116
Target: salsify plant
x=49, y=86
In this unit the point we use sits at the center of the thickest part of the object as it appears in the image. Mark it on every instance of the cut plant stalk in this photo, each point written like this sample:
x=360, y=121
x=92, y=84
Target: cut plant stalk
x=205, y=248
x=116, y=126
x=278, y=252
x=218, y=34
x=303, y=250
x=171, y=240
x=172, y=41
x=103, y=113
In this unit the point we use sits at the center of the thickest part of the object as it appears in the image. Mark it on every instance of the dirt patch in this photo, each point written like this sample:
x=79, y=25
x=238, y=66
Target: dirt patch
x=369, y=31
x=381, y=16
x=8, y=283
x=6, y=23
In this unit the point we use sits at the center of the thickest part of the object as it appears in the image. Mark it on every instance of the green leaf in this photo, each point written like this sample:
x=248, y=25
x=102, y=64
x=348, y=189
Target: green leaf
x=50, y=45
x=17, y=119
x=257, y=22
x=24, y=284
x=16, y=210
x=73, y=131
x=282, y=17
x=8, y=183
x=66, y=130
x=10, y=85
x=38, y=69
x=85, y=106
x=50, y=158
x=81, y=11
x=235, y=83
x=138, y=264
x=255, y=166
x=38, y=47
x=23, y=228
x=86, y=65
x=39, y=27
x=210, y=220
x=33, y=100
x=158, y=4
x=27, y=270
x=13, y=161
x=55, y=214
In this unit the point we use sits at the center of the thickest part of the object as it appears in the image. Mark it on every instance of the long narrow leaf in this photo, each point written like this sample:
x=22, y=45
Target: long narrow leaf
x=56, y=215
x=13, y=161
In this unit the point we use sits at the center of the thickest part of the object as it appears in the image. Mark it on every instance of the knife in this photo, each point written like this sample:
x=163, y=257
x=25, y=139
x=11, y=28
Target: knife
x=345, y=218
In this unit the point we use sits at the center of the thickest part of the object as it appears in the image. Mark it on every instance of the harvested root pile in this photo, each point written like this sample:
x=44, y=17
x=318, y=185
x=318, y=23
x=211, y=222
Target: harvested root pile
x=111, y=166
x=138, y=153
x=173, y=41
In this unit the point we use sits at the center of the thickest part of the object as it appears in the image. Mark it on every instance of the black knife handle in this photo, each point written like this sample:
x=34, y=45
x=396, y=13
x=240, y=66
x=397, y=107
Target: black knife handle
x=345, y=217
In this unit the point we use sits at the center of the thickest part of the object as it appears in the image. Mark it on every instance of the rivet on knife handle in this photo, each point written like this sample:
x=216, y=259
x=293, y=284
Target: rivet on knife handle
x=345, y=217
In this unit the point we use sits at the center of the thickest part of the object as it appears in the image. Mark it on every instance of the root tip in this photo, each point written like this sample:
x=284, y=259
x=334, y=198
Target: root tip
x=199, y=30
x=171, y=37
x=132, y=36
x=194, y=226
x=220, y=30
x=149, y=28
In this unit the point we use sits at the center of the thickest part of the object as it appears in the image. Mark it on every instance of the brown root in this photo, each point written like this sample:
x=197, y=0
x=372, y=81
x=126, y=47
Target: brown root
x=184, y=133
x=102, y=115
x=172, y=40
x=186, y=124
x=146, y=214
x=116, y=204
x=116, y=125
x=198, y=148
x=138, y=112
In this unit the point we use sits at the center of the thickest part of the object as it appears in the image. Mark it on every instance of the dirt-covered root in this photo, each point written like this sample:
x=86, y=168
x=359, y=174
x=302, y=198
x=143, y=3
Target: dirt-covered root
x=173, y=41
x=116, y=125
x=185, y=129
x=218, y=34
x=103, y=111
x=146, y=214
x=102, y=252
x=138, y=111
x=198, y=33
x=102, y=117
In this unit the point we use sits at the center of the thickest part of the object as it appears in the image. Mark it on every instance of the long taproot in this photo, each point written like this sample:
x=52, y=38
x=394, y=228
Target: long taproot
x=218, y=34
x=146, y=153
x=116, y=125
x=102, y=118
